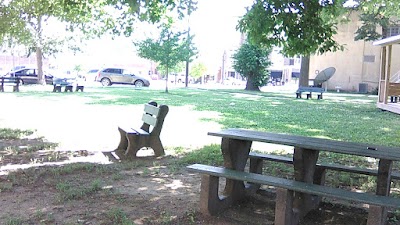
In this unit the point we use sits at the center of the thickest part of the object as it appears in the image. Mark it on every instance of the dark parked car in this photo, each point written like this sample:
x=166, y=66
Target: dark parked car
x=29, y=76
x=111, y=76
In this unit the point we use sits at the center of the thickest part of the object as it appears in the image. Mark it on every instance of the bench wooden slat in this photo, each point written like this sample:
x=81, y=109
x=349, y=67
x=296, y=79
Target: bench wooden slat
x=141, y=132
x=298, y=186
x=329, y=166
x=149, y=120
x=151, y=109
x=310, y=89
x=10, y=81
x=369, y=150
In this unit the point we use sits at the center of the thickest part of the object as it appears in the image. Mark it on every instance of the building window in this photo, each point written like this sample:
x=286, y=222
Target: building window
x=369, y=58
x=393, y=30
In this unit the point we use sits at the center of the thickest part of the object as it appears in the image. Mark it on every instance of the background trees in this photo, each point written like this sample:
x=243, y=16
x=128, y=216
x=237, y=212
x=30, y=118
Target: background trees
x=299, y=27
x=197, y=70
x=169, y=49
x=24, y=22
x=252, y=62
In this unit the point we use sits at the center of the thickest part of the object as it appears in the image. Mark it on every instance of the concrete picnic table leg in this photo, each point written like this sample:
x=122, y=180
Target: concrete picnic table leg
x=235, y=154
x=377, y=215
x=304, y=161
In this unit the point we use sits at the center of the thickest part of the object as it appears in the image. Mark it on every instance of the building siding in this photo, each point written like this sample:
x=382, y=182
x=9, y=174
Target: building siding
x=359, y=62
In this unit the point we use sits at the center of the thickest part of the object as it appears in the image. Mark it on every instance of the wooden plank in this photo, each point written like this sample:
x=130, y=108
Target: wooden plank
x=329, y=166
x=297, y=186
x=310, y=89
x=151, y=109
x=369, y=150
x=149, y=120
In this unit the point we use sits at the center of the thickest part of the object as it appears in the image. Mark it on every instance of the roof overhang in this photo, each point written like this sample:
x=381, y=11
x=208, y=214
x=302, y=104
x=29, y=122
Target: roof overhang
x=388, y=41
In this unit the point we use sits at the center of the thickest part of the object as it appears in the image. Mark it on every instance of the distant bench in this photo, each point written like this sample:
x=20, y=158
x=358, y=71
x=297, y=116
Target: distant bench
x=10, y=81
x=394, y=92
x=58, y=83
x=318, y=90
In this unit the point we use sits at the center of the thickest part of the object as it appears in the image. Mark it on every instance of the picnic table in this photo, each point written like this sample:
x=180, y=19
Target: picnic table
x=295, y=198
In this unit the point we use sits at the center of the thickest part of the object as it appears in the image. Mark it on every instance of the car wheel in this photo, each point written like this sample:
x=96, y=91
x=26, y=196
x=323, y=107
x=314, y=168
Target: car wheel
x=105, y=82
x=139, y=83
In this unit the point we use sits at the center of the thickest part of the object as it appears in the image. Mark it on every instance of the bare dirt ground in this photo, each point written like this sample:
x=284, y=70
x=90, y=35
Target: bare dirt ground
x=144, y=191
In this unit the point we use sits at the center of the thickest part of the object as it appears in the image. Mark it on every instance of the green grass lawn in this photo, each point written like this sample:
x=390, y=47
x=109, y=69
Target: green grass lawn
x=339, y=116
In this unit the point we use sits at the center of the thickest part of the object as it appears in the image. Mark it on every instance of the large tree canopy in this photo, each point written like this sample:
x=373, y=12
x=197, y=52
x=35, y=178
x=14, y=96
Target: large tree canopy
x=23, y=21
x=252, y=62
x=300, y=27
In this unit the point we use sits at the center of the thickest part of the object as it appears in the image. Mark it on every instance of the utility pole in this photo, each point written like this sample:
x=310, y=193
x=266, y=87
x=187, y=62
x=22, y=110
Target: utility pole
x=187, y=60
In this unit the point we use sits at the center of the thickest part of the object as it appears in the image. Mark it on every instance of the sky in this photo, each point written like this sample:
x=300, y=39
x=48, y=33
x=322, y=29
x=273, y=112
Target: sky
x=214, y=27
x=213, y=24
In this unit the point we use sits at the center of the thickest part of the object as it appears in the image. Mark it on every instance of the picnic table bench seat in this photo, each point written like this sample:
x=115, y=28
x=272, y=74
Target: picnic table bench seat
x=10, y=81
x=285, y=188
x=256, y=160
x=148, y=135
x=310, y=90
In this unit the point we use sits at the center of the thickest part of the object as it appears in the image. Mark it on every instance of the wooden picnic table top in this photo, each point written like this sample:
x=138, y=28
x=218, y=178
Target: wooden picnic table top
x=312, y=143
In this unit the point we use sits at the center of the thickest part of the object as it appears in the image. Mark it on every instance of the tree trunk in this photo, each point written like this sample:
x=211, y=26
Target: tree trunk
x=250, y=84
x=39, y=60
x=166, y=81
x=304, y=71
x=39, y=52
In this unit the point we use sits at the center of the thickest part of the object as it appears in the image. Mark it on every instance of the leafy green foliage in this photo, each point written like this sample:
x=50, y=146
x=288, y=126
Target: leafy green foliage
x=198, y=69
x=252, y=61
x=376, y=14
x=300, y=27
x=169, y=49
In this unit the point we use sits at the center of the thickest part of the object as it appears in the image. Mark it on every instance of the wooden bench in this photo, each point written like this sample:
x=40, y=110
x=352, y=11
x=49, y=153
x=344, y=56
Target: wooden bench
x=394, y=92
x=58, y=83
x=10, y=81
x=318, y=90
x=148, y=135
x=256, y=162
x=210, y=201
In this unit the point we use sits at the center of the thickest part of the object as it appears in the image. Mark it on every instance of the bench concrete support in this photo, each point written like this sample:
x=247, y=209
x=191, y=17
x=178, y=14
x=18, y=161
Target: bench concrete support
x=383, y=188
x=304, y=162
x=284, y=214
x=235, y=154
x=211, y=203
x=68, y=88
x=79, y=88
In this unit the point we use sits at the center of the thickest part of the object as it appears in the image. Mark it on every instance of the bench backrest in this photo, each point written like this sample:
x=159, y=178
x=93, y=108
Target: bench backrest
x=153, y=117
x=9, y=80
x=311, y=89
x=394, y=89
